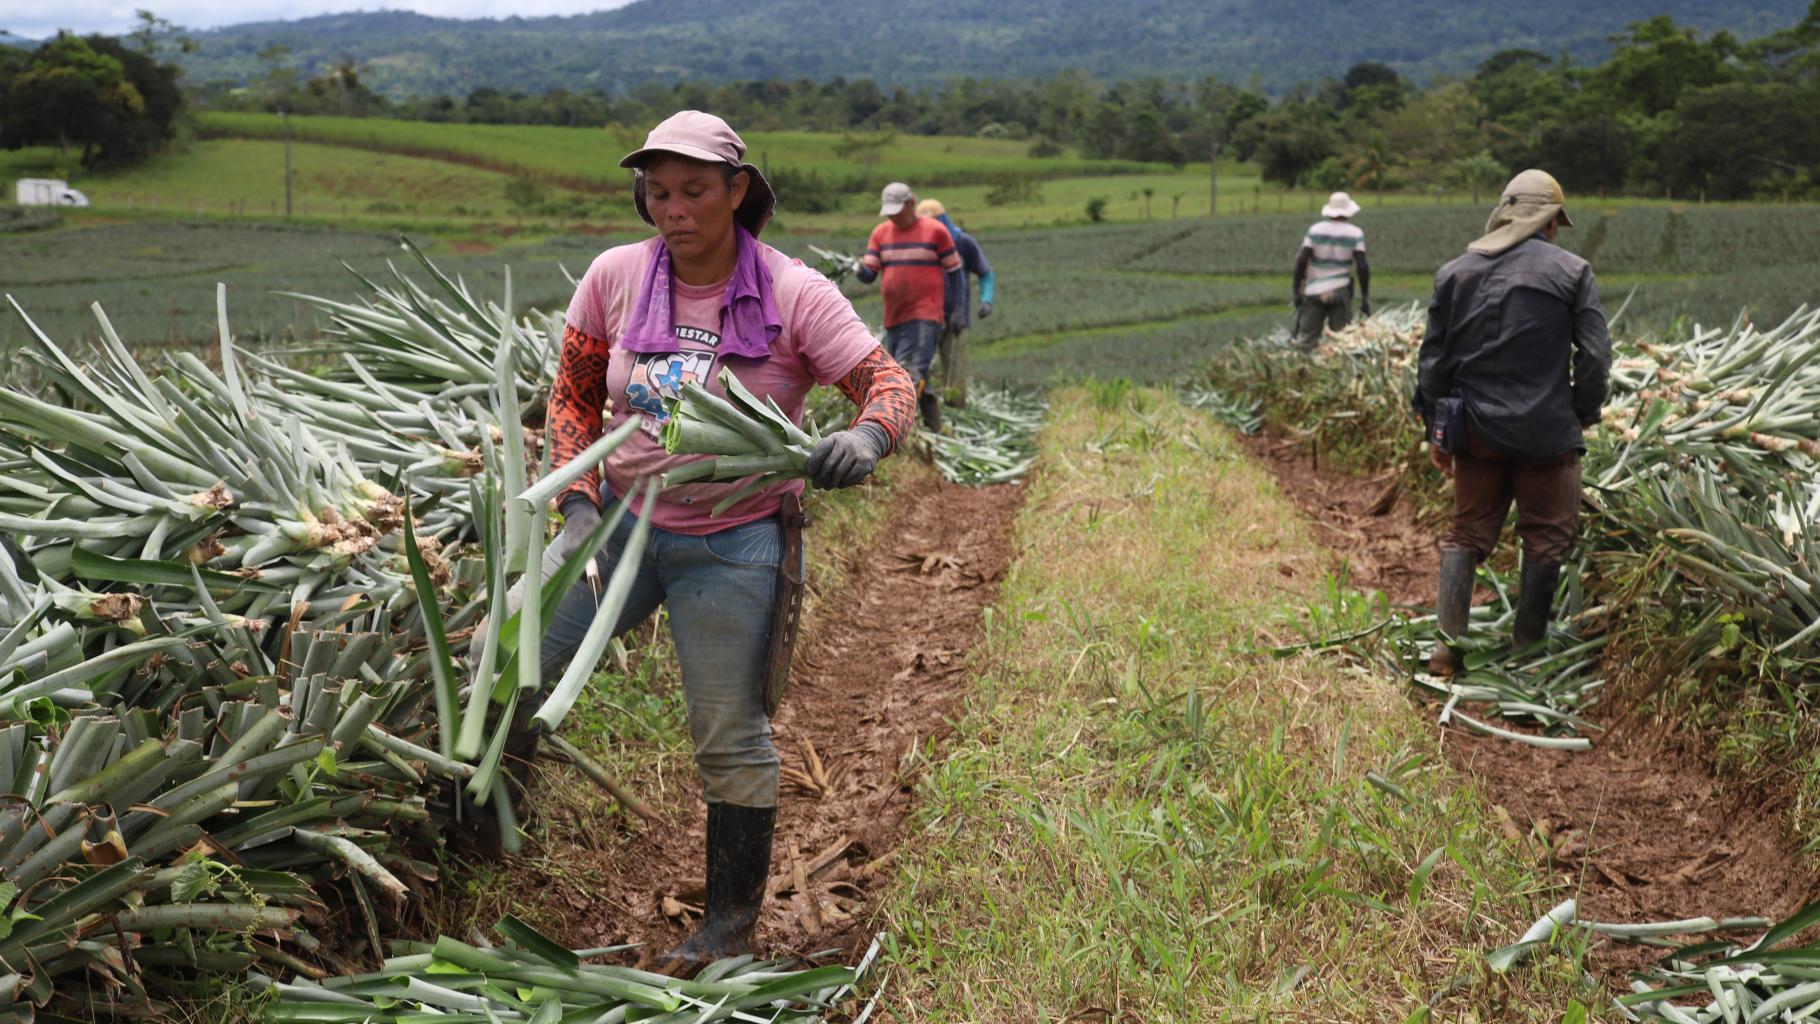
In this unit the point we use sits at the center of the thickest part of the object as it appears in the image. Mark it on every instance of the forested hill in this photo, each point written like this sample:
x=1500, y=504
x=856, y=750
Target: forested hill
x=1272, y=43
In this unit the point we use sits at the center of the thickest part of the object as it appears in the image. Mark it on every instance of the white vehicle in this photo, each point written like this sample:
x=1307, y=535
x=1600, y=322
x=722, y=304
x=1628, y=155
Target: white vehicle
x=48, y=192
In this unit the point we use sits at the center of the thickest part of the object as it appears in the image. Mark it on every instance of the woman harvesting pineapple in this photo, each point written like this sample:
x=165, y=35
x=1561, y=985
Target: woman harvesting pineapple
x=703, y=296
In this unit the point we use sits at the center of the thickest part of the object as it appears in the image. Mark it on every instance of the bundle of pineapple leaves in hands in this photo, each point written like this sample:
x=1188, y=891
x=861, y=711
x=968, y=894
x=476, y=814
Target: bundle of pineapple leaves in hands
x=743, y=436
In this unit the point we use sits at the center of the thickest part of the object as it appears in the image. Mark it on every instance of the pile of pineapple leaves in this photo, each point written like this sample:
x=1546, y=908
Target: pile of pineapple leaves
x=241, y=710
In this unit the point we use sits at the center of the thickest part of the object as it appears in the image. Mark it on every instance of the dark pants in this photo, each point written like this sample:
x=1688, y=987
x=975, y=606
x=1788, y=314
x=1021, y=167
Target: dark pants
x=912, y=344
x=1546, y=490
x=1331, y=311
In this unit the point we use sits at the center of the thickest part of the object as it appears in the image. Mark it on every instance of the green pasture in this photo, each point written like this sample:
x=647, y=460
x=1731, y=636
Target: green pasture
x=591, y=155
x=243, y=179
x=452, y=177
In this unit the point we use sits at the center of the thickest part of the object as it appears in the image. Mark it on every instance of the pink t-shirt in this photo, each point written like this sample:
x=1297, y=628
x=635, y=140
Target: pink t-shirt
x=822, y=341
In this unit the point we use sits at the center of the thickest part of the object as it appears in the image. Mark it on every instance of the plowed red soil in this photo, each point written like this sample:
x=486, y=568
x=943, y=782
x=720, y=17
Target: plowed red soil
x=1637, y=826
x=879, y=668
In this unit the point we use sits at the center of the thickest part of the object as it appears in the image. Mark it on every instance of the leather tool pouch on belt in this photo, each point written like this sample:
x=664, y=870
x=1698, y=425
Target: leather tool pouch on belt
x=787, y=605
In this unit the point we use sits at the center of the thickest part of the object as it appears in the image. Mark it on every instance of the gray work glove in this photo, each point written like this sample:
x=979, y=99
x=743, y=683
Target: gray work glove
x=985, y=310
x=846, y=457
x=579, y=518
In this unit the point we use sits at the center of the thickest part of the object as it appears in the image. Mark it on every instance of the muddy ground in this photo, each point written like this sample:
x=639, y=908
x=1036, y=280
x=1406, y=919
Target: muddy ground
x=879, y=668
x=1638, y=825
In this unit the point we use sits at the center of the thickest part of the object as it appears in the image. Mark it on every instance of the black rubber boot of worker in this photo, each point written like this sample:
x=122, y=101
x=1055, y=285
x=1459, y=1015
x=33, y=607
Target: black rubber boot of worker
x=931, y=408
x=739, y=864
x=1535, y=602
x=521, y=746
x=1453, y=603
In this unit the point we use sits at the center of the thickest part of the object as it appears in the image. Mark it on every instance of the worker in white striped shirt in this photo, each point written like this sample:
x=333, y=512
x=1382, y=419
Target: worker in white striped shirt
x=1330, y=251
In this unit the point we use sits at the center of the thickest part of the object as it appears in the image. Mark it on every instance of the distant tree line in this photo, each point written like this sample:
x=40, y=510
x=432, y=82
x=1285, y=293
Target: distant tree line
x=1671, y=111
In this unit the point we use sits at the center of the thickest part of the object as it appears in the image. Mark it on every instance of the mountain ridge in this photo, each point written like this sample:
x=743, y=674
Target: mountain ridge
x=1272, y=44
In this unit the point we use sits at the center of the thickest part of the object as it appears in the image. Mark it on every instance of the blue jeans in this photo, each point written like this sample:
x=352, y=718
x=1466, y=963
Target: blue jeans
x=718, y=588
x=912, y=344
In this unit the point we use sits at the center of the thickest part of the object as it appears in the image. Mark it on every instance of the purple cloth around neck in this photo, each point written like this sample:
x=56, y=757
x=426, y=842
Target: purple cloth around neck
x=749, y=321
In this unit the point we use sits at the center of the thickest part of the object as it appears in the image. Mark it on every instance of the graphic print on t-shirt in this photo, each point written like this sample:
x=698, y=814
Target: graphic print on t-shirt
x=657, y=378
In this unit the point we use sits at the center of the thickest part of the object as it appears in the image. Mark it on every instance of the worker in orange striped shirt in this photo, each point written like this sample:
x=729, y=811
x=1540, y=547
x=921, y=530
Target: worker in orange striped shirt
x=913, y=255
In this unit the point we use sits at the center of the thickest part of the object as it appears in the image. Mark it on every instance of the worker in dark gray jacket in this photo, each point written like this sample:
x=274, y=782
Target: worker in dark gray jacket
x=1516, y=335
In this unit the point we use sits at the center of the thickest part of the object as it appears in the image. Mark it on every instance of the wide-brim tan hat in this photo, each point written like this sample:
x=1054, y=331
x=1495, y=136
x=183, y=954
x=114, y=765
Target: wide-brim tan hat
x=1531, y=202
x=1340, y=205
x=702, y=136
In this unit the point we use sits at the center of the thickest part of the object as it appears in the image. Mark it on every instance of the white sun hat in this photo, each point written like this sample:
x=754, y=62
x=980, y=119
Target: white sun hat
x=1340, y=205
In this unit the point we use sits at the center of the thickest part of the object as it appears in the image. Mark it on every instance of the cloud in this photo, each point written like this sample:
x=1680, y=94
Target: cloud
x=83, y=16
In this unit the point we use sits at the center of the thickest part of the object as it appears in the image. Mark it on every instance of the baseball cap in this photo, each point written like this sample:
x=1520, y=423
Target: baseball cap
x=893, y=198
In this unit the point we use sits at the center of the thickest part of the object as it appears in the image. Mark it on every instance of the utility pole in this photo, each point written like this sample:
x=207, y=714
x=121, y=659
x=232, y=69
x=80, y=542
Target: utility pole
x=280, y=79
x=1213, y=175
x=284, y=114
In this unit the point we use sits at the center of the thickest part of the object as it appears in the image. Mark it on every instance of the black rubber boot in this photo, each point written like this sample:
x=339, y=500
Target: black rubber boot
x=1453, y=603
x=739, y=864
x=931, y=408
x=522, y=742
x=1535, y=602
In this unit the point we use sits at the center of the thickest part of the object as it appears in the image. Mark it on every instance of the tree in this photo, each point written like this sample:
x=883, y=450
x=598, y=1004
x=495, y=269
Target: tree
x=1657, y=61
x=125, y=135
x=1479, y=173
x=1424, y=136
x=1589, y=153
x=1729, y=140
x=341, y=91
x=152, y=33
x=1372, y=86
x=1288, y=141
x=69, y=94
x=525, y=193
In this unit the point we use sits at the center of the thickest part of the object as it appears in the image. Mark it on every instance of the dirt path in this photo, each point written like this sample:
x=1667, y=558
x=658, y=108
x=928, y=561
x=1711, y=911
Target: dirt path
x=1638, y=825
x=879, y=668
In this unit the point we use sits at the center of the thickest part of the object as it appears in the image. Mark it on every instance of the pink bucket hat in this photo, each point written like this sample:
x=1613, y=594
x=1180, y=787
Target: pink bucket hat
x=702, y=136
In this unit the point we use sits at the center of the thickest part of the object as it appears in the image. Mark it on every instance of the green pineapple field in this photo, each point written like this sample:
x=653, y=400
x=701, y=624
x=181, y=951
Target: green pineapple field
x=1151, y=743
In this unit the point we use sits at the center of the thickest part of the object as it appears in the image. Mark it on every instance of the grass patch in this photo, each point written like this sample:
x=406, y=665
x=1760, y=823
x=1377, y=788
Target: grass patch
x=590, y=156
x=246, y=176
x=1140, y=817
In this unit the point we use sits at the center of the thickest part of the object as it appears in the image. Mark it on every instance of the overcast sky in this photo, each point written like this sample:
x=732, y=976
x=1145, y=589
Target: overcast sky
x=37, y=20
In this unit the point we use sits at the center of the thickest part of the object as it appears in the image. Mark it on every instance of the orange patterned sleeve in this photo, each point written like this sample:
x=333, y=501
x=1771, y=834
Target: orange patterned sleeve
x=576, y=401
x=885, y=395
